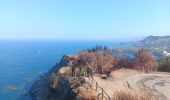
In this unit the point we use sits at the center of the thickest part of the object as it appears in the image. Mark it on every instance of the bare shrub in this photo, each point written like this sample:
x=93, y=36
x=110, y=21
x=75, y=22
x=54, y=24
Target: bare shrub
x=86, y=96
x=133, y=95
x=100, y=59
x=143, y=60
x=123, y=62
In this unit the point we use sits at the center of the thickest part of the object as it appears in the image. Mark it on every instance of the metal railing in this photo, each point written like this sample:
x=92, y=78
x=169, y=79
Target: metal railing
x=103, y=92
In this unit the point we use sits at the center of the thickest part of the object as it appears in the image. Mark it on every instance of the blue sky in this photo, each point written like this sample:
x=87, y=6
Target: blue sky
x=83, y=19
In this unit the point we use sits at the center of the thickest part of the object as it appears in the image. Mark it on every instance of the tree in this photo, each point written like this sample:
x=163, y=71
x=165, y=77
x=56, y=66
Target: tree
x=123, y=62
x=143, y=60
x=100, y=58
x=164, y=64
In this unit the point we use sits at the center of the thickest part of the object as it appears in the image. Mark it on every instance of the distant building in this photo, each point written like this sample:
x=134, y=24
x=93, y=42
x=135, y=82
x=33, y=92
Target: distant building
x=165, y=53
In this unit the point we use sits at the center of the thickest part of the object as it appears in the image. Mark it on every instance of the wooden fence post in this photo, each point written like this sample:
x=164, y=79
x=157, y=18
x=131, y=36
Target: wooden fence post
x=96, y=86
x=102, y=93
x=102, y=90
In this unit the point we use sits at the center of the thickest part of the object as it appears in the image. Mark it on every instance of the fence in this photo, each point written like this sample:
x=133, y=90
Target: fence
x=103, y=92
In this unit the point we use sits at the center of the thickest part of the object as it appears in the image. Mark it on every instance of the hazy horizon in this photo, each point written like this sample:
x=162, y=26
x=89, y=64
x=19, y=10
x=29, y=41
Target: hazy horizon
x=83, y=20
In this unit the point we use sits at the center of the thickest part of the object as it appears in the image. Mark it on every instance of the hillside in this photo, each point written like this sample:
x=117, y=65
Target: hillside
x=153, y=42
x=59, y=84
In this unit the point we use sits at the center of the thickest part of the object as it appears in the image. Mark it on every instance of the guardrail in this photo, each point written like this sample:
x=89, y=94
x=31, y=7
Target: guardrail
x=94, y=82
x=103, y=92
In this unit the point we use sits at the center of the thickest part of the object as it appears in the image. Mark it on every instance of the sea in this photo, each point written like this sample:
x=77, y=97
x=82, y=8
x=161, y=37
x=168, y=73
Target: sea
x=24, y=61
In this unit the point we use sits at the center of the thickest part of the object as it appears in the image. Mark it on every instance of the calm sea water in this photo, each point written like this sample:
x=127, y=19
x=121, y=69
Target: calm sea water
x=23, y=61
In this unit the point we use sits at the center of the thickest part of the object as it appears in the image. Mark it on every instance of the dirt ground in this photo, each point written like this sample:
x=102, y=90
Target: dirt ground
x=158, y=83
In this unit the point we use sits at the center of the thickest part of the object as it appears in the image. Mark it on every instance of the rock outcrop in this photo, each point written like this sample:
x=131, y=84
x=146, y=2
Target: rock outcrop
x=58, y=84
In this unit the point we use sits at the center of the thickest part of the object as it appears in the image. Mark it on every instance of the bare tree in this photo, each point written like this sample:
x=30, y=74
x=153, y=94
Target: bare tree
x=143, y=60
x=99, y=58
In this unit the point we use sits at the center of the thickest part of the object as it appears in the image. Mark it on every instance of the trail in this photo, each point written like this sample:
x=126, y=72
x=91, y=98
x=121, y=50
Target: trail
x=158, y=83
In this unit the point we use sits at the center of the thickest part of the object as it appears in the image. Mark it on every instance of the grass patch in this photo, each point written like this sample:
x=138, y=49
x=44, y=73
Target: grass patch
x=134, y=95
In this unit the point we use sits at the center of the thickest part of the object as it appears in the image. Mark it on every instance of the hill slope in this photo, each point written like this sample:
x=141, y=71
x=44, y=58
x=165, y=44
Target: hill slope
x=153, y=42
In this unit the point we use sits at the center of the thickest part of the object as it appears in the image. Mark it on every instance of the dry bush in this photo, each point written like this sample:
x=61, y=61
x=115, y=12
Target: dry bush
x=122, y=62
x=134, y=95
x=164, y=64
x=100, y=59
x=143, y=60
x=86, y=96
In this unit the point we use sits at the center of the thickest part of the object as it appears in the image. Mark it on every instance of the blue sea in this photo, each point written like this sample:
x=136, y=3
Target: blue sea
x=22, y=62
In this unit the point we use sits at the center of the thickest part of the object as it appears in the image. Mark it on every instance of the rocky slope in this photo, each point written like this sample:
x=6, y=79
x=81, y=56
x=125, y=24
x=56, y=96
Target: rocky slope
x=58, y=84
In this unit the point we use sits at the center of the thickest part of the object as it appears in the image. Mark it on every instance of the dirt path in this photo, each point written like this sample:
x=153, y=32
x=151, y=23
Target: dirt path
x=109, y=86
x=159, y=84
x=115, y=82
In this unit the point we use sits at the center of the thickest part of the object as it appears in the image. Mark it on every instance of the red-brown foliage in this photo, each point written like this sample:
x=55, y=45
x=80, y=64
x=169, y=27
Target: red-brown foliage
x=103, y=62
x=123, y=62
x=100, y=60
x=143, y=60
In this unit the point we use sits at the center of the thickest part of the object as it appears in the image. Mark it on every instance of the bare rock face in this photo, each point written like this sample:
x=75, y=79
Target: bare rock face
x=58, y=84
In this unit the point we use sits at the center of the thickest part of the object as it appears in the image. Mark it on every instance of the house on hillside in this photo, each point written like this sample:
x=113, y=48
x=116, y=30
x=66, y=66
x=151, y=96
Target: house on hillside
x=165, y=53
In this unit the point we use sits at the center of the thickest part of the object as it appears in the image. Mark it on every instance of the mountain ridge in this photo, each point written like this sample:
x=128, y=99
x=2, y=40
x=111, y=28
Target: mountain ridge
x=152, y=42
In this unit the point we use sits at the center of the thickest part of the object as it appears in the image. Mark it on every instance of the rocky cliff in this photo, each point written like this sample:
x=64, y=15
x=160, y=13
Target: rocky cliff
x=58, y=84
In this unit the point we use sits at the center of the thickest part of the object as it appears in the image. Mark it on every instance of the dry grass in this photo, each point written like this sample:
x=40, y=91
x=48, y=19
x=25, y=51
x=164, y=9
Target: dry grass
x=121, y=73
x=134, y=95
x=83, y=94
x=87, y=96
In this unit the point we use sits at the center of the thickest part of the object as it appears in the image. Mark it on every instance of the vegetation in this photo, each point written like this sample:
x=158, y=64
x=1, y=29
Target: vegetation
x=164, y=64
x=102, y=61
x=153, y=42
x=143, y=60
x=86, y=96
x=133, y=95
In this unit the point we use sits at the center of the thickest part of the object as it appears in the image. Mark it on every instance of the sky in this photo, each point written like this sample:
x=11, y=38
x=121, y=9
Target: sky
x=83, y=19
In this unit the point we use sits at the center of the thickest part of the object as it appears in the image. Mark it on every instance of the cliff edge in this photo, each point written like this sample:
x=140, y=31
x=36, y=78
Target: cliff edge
x=59, y=84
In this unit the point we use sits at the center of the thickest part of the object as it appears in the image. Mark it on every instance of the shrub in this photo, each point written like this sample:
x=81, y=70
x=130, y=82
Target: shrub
x=100, y=59
x=164, y=64
x=143, y=60
x=133, y=95
x=86, y=96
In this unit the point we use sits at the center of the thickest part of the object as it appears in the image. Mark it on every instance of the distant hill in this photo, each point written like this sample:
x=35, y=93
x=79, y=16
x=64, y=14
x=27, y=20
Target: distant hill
x=161, y=42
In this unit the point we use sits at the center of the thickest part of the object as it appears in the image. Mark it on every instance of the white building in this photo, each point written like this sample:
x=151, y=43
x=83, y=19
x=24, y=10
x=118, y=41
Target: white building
x=165, y=53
